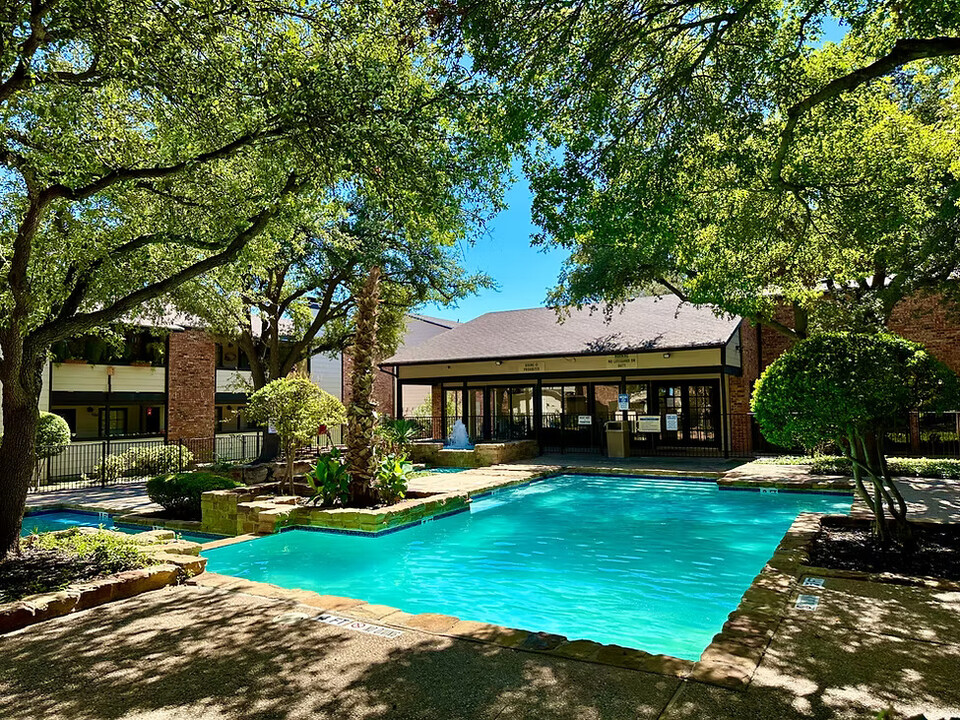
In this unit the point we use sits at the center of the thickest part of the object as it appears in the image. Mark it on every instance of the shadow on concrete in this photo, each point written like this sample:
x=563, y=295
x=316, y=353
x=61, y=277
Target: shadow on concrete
x=869, y=647
x=194, y=653
x=198, y=653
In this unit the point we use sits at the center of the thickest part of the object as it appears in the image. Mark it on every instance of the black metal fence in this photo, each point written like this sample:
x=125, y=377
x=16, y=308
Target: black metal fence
x=701, y=434
x=99, y=463
x=116, y=461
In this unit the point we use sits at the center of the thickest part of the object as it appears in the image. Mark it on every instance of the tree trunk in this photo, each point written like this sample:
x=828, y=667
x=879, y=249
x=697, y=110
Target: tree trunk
x=269, y=448
x=360, y=418
x=21, y=393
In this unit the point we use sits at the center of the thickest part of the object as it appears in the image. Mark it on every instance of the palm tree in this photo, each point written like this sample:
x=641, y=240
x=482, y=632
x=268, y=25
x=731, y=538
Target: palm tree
x=360, y=418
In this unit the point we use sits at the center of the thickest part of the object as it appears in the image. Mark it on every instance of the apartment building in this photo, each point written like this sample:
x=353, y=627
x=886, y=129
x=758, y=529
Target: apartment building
x=170, y=378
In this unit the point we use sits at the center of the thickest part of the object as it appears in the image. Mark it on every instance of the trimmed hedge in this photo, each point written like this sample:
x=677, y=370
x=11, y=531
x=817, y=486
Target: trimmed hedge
x=180, y=493
x=899, y=467
x=146, y=460
x=53, y=435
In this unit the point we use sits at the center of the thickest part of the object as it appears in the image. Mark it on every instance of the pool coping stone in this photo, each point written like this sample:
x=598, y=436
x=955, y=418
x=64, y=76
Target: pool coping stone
x=450, y=626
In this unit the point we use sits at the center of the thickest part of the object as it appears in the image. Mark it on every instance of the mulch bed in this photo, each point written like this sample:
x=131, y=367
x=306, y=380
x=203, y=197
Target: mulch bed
x=36, y=571
x=936, y=551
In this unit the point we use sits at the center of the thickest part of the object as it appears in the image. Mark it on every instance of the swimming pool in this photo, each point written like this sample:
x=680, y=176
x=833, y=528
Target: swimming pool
x=63, y=519
x=654, y=564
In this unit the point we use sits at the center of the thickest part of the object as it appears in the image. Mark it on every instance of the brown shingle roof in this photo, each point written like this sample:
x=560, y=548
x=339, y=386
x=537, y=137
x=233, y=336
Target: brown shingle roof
x=647, y=323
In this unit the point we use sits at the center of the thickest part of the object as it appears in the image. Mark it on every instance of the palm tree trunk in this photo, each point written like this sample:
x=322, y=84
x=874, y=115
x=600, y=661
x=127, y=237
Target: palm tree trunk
x=360, y=418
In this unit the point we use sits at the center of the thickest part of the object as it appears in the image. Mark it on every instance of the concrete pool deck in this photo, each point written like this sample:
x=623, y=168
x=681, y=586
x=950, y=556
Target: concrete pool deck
x=213, y=650
x=213, y=653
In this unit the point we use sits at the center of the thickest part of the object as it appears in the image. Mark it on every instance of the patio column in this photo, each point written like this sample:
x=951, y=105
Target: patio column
x=487, y=420
x=538, y=412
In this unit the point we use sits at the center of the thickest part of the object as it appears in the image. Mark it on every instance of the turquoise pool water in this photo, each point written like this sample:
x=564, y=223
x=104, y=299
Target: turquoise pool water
x=63, y=519
x=654, y=564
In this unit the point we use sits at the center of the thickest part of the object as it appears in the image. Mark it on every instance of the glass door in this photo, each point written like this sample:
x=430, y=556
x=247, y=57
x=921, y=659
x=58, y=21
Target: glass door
x=689, y=412
x=702, y=414
x=670, y=404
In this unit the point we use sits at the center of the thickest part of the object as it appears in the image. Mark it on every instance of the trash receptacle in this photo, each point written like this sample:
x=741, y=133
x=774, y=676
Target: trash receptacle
x=618, y=439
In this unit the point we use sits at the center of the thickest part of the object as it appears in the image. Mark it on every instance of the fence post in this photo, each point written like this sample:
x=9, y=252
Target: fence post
x=179, y=454
x=103, y=463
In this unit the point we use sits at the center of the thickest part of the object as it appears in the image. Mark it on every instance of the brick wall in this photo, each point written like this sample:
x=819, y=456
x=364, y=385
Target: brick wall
x=927, y=319
x=191, y=385
x=930, y=320
x=383, y=384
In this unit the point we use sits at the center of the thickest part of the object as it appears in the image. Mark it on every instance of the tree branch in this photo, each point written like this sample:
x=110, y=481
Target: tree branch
x=68, y=327
x=904, y=51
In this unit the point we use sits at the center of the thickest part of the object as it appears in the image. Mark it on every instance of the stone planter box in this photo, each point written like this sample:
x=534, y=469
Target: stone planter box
x=176, y=561
x=251, y=510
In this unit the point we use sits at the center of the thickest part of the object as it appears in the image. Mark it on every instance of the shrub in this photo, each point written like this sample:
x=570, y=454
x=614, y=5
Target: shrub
x=851, y=389
x=146, y=460
x=393, y=472
x=397, y=435
x=329, y=479
x=948, y=468
x=180, y=493
x=53, y=435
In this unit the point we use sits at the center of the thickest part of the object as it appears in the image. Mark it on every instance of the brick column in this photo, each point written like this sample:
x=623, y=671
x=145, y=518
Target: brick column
x=191, y=385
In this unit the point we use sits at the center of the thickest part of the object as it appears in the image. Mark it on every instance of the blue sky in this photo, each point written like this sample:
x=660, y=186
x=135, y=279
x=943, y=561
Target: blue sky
x=524, y=273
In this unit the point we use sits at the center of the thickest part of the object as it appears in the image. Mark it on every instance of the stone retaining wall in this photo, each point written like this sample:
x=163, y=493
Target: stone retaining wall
x=244, y=511
x=176, y=561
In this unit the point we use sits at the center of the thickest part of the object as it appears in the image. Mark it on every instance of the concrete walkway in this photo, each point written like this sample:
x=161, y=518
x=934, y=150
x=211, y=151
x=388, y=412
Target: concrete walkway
x=928, y=499
x=212, y=654
x=477, y=480
x=126, y=498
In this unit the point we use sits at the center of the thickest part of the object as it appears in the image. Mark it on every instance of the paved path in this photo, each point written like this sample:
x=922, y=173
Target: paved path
x=684, y=465
x=479, y=479
x=212, y=654
x=928, y=499
x=130, y=497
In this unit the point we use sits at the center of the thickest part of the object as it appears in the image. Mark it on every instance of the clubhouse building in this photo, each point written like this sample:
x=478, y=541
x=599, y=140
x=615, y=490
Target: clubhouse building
x=656, y=377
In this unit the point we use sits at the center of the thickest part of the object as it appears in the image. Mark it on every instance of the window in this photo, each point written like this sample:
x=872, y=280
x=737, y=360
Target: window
x=638, y=397
x=118, y=422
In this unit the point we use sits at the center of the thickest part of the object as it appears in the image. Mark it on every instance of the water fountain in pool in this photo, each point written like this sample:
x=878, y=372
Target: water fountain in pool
x=458, y=439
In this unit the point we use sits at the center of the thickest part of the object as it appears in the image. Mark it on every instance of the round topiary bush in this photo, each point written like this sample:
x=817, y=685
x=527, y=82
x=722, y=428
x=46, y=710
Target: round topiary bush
x=53, y=435
x=851, y=389
x=180, y=493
